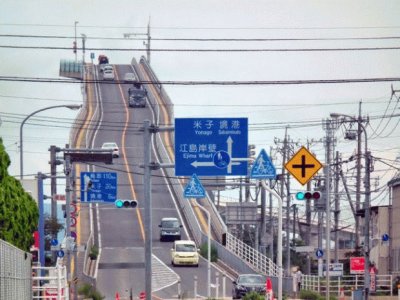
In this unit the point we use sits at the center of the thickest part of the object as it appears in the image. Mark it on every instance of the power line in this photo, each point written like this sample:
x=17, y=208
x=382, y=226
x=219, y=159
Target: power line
x=206, y=39
x=206, y=50
x=207, y=82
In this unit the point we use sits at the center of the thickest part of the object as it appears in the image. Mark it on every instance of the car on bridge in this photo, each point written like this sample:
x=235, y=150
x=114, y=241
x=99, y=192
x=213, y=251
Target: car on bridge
x=184, y=252
x=170, y=229
x=247, y=283
x=111, y=146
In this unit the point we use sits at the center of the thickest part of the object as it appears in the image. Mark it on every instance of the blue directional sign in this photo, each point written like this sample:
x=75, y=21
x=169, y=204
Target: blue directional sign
x=98, y=186
x=385, y=237
x=194, y=188
x=263, y=167
x=319, y=253
x=60, y=253
x=211, y=146
x=54, y=242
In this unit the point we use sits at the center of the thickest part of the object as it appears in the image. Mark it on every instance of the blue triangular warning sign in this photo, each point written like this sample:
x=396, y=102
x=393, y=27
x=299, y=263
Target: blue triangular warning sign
x=194, y=188
x=263, y=167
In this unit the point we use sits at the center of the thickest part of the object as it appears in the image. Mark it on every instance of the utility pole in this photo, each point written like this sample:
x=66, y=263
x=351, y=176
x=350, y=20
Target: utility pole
x=358, y=174
x=308, y=221
x=328, y=146
x=337, y=206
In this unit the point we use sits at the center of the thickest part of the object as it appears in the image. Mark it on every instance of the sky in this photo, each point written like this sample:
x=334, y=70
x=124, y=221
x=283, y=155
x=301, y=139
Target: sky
x=291, y=33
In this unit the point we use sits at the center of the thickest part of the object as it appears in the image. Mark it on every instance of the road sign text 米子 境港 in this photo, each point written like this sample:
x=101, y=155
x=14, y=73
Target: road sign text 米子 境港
x=211, y=146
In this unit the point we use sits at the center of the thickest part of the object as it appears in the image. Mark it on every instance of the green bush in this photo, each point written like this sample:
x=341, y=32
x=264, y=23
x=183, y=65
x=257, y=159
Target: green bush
x=94, y=252
x=88, y=291
x=253, y=296
x=311, y=295
x=214, y=252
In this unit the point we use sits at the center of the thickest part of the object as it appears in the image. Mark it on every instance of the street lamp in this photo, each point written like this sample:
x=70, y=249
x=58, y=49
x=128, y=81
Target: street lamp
x=76, y=55
x=21, y=157
x=367, y=203
x=208, y=250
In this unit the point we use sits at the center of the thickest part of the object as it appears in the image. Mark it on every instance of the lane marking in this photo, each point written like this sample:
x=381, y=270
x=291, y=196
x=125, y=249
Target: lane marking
x=127, y=167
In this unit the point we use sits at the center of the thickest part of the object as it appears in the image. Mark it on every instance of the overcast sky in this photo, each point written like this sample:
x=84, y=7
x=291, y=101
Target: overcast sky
x=304, y=25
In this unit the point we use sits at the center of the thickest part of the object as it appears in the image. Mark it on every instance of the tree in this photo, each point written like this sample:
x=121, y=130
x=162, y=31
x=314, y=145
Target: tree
x=19, y=213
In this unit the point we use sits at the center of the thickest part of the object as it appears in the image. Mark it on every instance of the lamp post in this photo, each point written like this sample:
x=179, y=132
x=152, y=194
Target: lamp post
x=76, y=54
x=208, y=250
x=367, y=203
x=21, y=155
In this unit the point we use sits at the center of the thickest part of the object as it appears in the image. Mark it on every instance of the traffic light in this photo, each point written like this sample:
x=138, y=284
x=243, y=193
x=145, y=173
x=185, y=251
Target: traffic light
x=309, y=195
x=119, y=203
x=74, y=46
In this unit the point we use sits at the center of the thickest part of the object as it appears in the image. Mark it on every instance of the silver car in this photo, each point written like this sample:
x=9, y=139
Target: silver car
x=108, y=74
x=113, y=147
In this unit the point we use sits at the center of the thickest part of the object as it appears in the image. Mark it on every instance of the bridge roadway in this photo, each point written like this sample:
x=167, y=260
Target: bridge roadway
x=120, y=232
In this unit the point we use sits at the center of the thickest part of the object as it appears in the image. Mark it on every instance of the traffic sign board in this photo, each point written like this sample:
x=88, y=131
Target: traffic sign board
x=60, y=253
x=263, y=167
x=303, y=165
x=98, y=186
x=211, y=147
x=194, y=188
x=319, y=253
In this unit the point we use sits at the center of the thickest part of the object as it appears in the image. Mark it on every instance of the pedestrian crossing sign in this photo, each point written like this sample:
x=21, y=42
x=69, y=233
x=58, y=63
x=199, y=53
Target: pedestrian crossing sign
x=194, y=188
x=263, y=167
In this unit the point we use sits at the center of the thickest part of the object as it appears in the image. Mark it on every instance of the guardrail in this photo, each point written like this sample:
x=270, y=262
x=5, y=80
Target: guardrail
x=49, y=283
x=347, y=283
x=15, y=273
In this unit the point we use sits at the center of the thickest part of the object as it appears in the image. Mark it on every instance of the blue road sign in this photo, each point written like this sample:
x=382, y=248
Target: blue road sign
x=211, y=147
x=194, y=188
x=385, y=237
x=263, y=167
x=319, y=253
x=98, y=186
x=60, y=253
x=54, y=242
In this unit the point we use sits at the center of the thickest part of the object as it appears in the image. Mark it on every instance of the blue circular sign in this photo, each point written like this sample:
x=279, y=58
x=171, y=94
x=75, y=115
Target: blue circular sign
x=221, y=159
x=319, y=253
x=60, y=253
x=54, y=242
x=385, y=237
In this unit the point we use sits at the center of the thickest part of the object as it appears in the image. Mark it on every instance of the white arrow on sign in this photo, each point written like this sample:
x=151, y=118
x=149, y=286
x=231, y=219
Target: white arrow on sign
x=229, y=143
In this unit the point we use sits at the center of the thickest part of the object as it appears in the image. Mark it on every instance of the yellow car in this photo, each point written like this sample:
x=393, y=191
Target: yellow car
x=184, y=252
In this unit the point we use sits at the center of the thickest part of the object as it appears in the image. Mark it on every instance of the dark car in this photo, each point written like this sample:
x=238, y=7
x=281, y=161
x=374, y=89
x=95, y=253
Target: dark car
x=247, y=283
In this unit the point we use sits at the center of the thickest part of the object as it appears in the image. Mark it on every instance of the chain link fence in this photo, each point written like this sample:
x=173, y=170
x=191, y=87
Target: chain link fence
x=15, y=273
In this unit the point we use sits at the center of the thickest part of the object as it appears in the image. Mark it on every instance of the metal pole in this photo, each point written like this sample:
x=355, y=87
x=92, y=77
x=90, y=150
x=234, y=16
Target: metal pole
x=279, y=260
x=208, y=250
x=68, y=175
x=41, y=220
x=367, y=218
x=329, y=140
x=76, y=51
x=147, y=208
x=21, y=155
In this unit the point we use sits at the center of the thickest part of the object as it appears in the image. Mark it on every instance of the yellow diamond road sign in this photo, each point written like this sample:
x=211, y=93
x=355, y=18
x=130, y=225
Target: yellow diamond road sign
x=303, y=166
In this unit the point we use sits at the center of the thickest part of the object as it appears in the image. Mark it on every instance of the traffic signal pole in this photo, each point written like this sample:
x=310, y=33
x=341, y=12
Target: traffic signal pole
x=147, y=208
x=148, y=166
x=265, y=185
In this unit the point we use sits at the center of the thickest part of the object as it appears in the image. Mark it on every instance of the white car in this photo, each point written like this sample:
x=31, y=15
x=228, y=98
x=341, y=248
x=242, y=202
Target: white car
x=184, y=252
x=106, y=67
x=113, y=147
x=108, y=74
x=129, y=77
